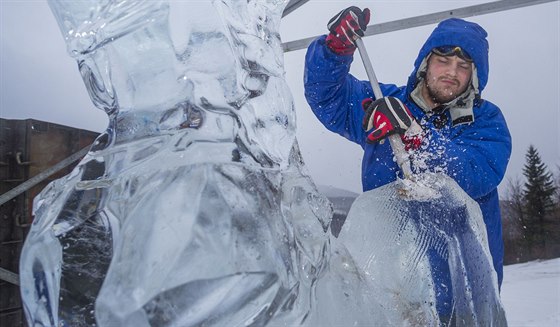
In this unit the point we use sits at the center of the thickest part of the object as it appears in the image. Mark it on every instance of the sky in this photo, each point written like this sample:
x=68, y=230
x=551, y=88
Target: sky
x=39, y=80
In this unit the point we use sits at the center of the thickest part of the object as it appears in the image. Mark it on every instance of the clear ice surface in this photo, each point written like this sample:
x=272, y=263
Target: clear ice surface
x=426, y=258
x=194, y=208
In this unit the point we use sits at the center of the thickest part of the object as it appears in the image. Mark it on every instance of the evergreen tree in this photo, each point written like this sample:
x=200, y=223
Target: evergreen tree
x=539, y=191
x=539, y=188
x=557, y=186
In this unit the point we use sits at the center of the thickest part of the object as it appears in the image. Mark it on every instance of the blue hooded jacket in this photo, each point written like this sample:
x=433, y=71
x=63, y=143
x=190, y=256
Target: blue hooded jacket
x=474, y=153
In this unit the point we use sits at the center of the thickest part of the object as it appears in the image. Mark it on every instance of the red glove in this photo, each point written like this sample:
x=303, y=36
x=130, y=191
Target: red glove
x=345, y=27
x=412, y=142
x=387, y=116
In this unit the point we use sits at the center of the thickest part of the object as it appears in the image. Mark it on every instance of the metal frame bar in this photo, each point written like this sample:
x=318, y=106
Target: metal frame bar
x=476, y=10
x=293, y=5
x=9, y=276
x=41, y=176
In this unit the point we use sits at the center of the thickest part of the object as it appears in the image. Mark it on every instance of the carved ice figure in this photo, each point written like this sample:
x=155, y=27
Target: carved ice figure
x=192, y=207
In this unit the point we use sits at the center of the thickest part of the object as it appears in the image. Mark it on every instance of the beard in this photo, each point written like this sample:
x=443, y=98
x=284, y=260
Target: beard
x=442, y=95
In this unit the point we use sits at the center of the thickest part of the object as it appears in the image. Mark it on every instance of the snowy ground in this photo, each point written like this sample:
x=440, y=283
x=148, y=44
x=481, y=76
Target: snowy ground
x=531, y=293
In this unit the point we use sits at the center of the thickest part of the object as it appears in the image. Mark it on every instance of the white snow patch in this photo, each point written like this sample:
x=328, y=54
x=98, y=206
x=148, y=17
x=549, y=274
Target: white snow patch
x=531, y=293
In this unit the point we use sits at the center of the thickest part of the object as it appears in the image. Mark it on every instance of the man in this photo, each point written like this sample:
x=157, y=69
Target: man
x=462, y=135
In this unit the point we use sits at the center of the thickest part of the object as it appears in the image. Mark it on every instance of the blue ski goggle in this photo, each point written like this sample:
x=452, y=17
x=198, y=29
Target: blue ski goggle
x=452, y=50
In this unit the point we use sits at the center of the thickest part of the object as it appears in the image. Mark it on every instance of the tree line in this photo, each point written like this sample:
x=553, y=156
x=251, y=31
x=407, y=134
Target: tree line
x=531, y=212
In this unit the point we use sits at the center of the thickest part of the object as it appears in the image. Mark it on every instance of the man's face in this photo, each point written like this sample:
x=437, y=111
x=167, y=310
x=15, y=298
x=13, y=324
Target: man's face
x=446, y=78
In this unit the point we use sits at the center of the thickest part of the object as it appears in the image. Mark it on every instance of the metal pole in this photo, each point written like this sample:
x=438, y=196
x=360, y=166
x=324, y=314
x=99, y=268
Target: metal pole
x=401, y=24
x=9, y=276
x=369, y=68
x=293, y=5
x=395, y=140
x=43, y=175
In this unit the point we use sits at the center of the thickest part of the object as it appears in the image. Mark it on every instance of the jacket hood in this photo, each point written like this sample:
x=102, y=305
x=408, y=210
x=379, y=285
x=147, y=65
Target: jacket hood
x=471, y=37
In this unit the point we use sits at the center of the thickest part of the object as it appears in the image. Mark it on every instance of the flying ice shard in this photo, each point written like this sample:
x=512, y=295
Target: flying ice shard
x=193, y=207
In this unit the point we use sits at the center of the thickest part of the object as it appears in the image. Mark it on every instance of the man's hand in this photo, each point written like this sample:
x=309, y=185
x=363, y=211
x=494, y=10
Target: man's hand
x=387, y=116
x=345, y=27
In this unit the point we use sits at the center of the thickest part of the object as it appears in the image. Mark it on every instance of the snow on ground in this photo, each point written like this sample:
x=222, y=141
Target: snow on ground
x=531, y=293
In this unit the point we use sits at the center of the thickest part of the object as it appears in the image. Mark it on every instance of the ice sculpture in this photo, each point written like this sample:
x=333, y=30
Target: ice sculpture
x=193, y=208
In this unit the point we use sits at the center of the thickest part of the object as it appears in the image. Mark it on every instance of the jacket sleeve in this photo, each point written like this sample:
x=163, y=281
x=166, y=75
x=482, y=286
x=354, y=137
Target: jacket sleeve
x=475, y=155
x=334, y=95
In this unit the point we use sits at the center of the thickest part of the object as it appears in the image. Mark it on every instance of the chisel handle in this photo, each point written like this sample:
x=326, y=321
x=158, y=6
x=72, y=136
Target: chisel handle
x=395, y=140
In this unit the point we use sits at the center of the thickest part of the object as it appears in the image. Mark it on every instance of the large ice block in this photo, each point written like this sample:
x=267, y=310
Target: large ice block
x=425, y=253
